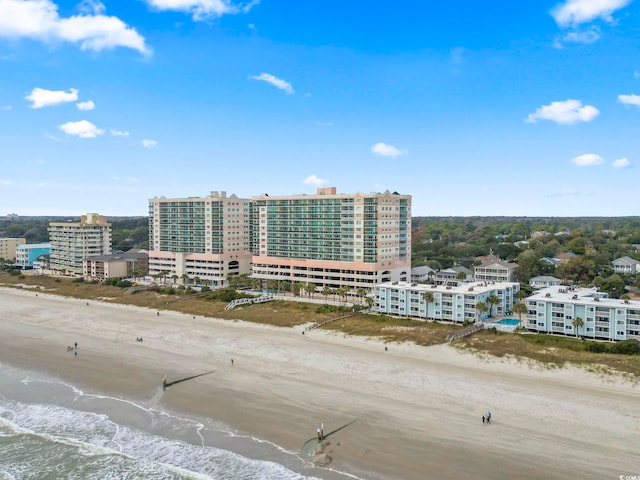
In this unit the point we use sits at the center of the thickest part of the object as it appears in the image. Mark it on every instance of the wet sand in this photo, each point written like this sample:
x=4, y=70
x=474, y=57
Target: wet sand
x=417, y=410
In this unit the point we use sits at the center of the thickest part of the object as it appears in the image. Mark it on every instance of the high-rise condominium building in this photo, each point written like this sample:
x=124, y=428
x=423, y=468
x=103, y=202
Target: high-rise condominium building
x=72, y=242
x=207, y=238
x=333, y=240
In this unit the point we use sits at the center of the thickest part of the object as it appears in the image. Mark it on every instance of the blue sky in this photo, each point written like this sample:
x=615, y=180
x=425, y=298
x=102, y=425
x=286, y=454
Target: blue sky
x=474, y=108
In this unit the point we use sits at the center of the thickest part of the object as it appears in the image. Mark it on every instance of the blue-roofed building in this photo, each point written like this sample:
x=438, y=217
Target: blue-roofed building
x=28, y=253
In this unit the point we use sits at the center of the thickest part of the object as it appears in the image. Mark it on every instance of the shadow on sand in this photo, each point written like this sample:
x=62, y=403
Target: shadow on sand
x=166, y=384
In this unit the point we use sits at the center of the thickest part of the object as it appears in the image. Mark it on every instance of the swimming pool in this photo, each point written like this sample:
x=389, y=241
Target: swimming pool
x=509, y=321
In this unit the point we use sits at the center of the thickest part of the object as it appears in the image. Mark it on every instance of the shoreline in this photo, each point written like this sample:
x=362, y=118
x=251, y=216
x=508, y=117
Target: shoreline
x=416, y=409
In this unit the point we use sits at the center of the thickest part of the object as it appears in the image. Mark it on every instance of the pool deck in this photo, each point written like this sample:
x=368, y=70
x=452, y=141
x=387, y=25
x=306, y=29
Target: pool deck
x=493, y=323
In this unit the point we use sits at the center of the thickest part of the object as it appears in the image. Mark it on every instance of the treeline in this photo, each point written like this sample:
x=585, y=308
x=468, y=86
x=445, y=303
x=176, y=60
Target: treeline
x=126, y=232
x=583, y=247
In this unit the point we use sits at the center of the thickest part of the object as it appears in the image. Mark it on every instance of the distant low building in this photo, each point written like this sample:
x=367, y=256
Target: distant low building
x=421, y=274
x=625, y=265
x=544, y=281
x=496, y=271
x=453, y=275
x=116, y=265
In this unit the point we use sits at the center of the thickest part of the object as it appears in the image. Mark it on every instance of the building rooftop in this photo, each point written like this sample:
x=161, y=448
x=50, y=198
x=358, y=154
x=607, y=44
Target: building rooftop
x=581, y=296
x=463, y=288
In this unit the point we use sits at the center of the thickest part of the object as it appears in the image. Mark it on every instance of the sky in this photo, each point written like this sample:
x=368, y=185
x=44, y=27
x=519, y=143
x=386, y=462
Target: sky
x=492, y=108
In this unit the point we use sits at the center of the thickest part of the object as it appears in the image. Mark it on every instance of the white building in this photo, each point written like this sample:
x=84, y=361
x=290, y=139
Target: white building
x=626, y=265
x=450, y=303
x=72, y=242
x=554, y=309
x=496, y=271
x=544, y=281
x=199, y=238
x=422, y=273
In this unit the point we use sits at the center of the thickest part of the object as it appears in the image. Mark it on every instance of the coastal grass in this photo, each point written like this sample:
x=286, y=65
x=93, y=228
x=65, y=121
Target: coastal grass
x=392, y=329
x=550, y=350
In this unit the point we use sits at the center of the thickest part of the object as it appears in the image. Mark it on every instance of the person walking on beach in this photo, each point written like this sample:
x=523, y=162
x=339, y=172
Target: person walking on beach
x=232, y=361
x=482, y=418
x=76, y=345
x=488, y=417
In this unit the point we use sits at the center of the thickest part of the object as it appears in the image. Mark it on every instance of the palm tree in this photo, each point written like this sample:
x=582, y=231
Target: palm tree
x=520, y=308
x=492, y=300
x=185, y=278
x=296, y=287
x=344, y=290
x=310, y=288
x=326, y=291
x=369, y=301
x=577, y=323
x=174, y=278
x=428, y=297
x=361, y=292
x=521, y=295
x=461, y=276
x=196, y=280
x=481, y=308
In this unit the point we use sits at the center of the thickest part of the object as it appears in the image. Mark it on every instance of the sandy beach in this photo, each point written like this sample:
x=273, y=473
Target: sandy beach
x=417, y=410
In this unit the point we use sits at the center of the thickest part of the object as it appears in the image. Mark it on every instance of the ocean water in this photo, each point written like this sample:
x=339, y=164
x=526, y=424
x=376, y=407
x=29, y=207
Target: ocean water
x=54, y=430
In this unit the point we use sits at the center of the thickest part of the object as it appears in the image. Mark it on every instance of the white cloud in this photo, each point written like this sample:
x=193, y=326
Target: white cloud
x=202, y=9
x=82, y=129
x=630, y=99
x=324, y=124
x=588, y=36
x=146, y=143
x=91, y=7
x=587, y=160
x=88, y=105
x=51, y=137
x=387, y=150
x=313, y=180
x=636, y=74
x=41, y=97
x=5, y=182
x=576, y=12
x=39, y=20
x=275, y=81
x=621, y=163
x=564, y=113
x=6, y=108
x=119, y=133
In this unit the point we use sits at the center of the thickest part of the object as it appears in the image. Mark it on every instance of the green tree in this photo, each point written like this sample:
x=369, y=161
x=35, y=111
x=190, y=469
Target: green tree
x=326, y=291
x=369, y=301
x=428, y=298
x=361, y=292
x=520, y=309
x=492, y=300
x=481, y=309
x=614, y=285
x=577, y=323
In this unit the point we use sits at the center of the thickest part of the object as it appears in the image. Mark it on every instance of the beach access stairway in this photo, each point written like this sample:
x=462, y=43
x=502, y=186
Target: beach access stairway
x=265, y=297
x=136, y=288
x=465, y=332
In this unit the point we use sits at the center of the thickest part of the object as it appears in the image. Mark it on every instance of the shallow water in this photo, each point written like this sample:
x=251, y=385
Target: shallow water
x=53, y=430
